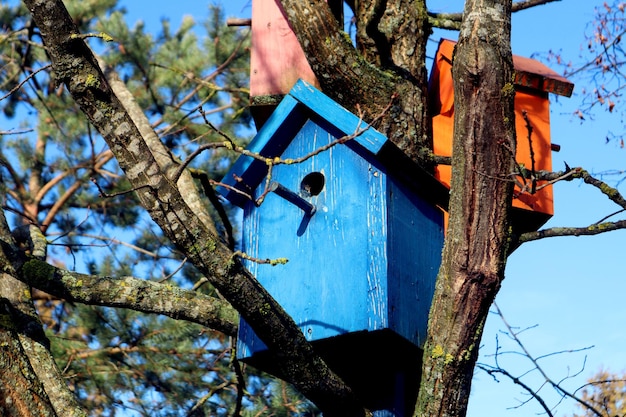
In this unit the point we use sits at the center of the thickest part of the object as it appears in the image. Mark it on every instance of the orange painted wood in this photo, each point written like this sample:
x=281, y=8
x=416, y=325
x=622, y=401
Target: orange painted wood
x=531, y=99
x=276, y=59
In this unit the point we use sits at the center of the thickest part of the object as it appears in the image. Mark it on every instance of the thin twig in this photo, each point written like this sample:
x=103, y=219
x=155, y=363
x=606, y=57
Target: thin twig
x=103, y=194
x=31, y=75
x=529, y=128
x=555, y=385
x=241, y=381
x=272, y=262
x=534, y=394
x=273, y=161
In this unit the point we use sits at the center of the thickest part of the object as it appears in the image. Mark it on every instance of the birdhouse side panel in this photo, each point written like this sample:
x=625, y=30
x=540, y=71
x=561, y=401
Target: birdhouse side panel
x=415, y=245
x=533, y=202
x=531, y=108
x=324, y=284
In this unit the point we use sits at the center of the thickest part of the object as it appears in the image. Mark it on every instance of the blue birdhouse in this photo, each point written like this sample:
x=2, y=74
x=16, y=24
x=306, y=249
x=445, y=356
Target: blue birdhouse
x=359, y=227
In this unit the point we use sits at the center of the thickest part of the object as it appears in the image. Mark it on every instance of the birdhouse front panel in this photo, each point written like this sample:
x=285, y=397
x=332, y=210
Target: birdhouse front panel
x=532, y=200
x=319, y=247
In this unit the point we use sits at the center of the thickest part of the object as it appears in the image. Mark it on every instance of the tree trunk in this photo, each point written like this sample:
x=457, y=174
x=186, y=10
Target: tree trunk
x=476, y=243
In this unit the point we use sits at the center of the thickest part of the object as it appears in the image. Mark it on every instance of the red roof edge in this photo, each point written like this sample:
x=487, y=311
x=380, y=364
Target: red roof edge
x=529, y=73
x=534, y=74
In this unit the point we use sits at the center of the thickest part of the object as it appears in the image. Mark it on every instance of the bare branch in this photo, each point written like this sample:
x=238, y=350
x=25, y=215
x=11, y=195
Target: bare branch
x=24, y=81
x=594, y=229
x=557, y=386
x=527, y=4
x=452, y=21
x=591, y=230
x=612, y=193
x=496, y=370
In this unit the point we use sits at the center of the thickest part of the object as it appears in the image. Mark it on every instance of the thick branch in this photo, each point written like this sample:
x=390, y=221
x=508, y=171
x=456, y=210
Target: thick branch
x=133, y=293
x=38, y=388
x=352, y=81
x=76, y=67
x=162, y=155
x=339, y=68
x=21, y=392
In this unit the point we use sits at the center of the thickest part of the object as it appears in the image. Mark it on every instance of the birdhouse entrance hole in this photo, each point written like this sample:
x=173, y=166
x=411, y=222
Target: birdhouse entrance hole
x=312, y=184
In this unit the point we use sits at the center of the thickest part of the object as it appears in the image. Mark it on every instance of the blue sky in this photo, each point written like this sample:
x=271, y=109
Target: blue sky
x=572, y=289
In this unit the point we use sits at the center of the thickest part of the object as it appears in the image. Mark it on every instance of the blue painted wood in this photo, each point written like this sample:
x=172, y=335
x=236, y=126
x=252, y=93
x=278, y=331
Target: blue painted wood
x=362, y=265
x=335, y=239
x=305, y=102
x=336, y=117
x=366, y=260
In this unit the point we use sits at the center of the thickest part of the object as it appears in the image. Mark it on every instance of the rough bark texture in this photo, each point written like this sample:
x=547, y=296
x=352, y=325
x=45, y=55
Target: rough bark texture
x=76, y=67
x=476, y=245
x=132, y=293
x=32, y=384
x=21, y=391
x=391, y=36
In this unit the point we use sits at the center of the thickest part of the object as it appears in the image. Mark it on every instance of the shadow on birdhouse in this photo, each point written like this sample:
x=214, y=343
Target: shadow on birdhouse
x=533, y=200
x=362, y=233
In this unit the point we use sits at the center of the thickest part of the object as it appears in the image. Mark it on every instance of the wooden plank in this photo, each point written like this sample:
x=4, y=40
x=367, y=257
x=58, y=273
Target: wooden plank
x=324, y=285
x=415, y=240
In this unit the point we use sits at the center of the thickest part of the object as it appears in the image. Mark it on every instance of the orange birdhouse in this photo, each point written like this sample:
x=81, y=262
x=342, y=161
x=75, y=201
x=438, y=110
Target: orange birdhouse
x=533, y=203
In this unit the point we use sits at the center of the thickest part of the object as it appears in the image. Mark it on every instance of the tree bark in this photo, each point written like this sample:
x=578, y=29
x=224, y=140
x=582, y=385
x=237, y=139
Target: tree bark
x=392, y=34
x=32, y=384
x=130, y=292
x=21, y=391
x=476, y=243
